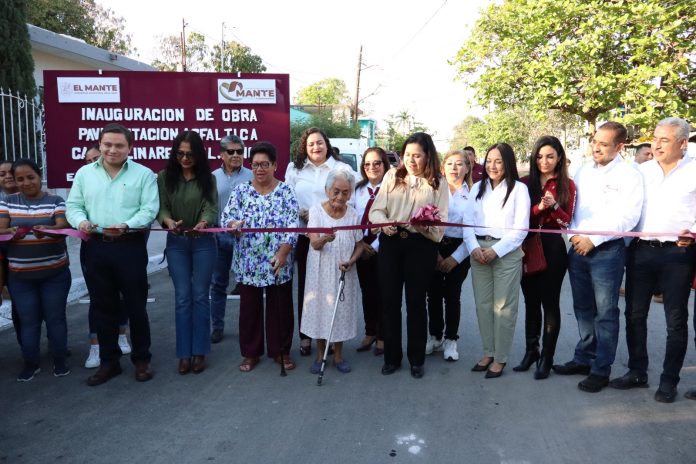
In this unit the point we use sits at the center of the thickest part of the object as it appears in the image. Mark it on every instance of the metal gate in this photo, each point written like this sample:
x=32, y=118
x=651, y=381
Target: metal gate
x=22, y=126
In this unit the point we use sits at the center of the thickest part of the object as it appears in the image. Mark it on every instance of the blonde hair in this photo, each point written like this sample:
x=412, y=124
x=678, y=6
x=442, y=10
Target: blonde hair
x=468, y=176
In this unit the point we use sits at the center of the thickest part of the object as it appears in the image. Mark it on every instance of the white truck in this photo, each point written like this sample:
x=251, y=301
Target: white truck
x=351, y=150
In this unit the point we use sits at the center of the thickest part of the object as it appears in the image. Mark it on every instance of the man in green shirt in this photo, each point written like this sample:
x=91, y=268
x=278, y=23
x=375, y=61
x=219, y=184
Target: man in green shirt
x=114, y=199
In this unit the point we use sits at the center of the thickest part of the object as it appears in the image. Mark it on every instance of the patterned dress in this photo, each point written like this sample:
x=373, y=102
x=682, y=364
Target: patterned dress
x=322, y=280
x=253, y=253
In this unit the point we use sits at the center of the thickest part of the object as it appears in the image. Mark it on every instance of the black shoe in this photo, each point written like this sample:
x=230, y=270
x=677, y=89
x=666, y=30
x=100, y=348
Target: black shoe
x=481, y=367
x=543, y=368
x=631, y=379
x=571, y=368
x=530, y=357
x=389, y=369
x=235, y=290
x=691, y=394
x=417, y=372
x=492, y=375
x=666, y=393
x=593, y=383
x=216, y=336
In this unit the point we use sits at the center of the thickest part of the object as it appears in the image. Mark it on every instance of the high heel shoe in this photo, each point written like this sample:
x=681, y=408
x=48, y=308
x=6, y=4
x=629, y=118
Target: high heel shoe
x=492, y=375
x=530, y=357
x=481, y=367
x=366, y=346
x=543, y=369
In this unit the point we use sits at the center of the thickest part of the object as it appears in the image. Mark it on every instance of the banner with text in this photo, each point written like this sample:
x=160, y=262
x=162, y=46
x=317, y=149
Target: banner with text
x=156, y=106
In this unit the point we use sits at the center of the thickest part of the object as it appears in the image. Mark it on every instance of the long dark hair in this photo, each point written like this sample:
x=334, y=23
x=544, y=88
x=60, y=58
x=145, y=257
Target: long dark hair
x=301, y=154
x=560, y=171
x=510, y=166
x=201, y=167
x=432, y=166
x=382, y=157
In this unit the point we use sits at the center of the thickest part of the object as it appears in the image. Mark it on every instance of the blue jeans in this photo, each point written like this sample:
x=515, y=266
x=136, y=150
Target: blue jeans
x=595, y=280
x=221, y=279
x=40, y=300
x=190, y=261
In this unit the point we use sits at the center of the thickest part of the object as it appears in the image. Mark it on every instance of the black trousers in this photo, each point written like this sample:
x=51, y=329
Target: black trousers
x=447, y=287
x=368, y=276
x=672, y=269
x=114, y=269
x=544, y=290
x=407, y=262
x=301, y=251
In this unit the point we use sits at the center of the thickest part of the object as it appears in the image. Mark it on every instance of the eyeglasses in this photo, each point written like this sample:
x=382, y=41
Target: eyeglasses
x=235, y=151
x=184, y=154
x=261, y=165
x=374, y=164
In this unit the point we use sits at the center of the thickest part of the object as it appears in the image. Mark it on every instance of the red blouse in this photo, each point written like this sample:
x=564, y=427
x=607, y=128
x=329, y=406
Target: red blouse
x=550, y=218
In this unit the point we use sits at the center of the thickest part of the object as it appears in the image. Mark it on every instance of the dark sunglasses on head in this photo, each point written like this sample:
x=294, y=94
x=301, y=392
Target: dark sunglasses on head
x=235, y=151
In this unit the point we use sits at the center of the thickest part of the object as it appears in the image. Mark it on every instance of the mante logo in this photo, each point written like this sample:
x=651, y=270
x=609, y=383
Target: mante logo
x=89, y=90
x=255, y=91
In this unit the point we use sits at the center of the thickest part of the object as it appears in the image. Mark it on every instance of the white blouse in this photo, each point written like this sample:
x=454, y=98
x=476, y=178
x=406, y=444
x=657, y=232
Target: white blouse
x=457, y=206
x=490, y=217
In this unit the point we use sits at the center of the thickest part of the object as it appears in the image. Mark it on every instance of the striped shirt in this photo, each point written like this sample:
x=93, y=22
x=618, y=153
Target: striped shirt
x=31, y=257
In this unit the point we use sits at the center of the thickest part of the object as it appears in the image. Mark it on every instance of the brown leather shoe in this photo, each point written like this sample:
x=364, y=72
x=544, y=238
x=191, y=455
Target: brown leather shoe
x=105, y=373
x=142, y=371
x=198, y=364
x=184, y=366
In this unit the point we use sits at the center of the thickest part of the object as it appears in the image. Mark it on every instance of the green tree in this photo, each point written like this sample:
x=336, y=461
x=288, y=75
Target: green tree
x=399, y=127
x=197, y=52
x=235, y=58
x=622, y=59
x=17, y=70
x=326, y=92
x=324, y=120
x=82, y=19
x=519, y=128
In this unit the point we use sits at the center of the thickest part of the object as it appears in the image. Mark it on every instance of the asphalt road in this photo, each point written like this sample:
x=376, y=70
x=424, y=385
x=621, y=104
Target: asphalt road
x=222, y=415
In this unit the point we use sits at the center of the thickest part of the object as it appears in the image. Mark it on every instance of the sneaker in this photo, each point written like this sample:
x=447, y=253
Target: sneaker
x=28, y=373
x=123, y=344
x=93, y=358
x=60, y=369
x=450, y=348
x=433, y=344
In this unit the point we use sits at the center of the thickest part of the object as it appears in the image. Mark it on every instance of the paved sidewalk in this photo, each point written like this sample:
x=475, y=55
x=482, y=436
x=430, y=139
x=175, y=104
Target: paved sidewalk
x=222, y=415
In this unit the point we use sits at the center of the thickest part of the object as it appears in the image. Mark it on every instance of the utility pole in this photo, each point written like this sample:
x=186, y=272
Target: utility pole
x=222, y=49
x=183, y=45
x=357, y=89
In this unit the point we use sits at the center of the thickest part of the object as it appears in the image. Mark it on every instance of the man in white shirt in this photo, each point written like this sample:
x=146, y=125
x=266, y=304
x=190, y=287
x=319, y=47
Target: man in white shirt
x=663, y=260
x=228, y=177
x=609, y=198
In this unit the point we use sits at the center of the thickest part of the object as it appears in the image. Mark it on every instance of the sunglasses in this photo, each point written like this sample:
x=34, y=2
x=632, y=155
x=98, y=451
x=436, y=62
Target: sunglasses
x=235, y=151
x=374, y=164
x=184, y=154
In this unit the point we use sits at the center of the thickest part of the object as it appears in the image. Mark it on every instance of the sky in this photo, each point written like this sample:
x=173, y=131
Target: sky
x=406, y=46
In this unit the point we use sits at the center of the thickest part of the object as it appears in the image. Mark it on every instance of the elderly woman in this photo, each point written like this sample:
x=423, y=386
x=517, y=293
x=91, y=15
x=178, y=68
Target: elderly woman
x=39, y=276
x=408, y=255
x=329, y=255
x=452, y=262
x=373, y=167
x=188, y=200
x=499, y=208
x=307, y=175
x=262, y=262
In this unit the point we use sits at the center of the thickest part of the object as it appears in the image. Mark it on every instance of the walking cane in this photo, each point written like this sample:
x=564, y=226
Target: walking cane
x=279, y=320
x=339, y=297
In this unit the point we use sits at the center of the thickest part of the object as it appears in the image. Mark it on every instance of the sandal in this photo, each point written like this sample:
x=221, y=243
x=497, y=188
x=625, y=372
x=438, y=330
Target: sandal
x=287, y=362
x=306, y=348
x=248, y=364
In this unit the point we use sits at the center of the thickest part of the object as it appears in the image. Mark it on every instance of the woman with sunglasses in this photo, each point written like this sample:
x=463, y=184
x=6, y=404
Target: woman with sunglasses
x=189, y=202
x=372, y=169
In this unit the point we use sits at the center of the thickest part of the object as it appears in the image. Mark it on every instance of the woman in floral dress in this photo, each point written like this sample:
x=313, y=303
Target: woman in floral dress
x=263, y=261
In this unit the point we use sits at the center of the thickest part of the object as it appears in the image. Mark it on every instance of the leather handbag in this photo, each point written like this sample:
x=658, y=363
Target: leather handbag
x=534, y=260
